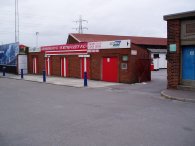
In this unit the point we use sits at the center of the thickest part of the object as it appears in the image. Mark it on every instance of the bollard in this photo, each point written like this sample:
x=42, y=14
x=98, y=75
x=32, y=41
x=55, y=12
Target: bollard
x=22, y=74
x=44, y=76
x=4, y=70
x=85, y=79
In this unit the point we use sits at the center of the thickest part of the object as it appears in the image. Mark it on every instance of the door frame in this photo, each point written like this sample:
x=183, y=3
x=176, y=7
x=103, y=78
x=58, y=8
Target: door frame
x=48, y=65
x=35, y=66
x=185, y=82
x=64, y=59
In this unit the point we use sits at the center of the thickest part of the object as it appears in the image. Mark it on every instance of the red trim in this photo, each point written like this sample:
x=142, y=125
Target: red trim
x=66, y=47
x=67, y=72
x=35, y=65
x=66, y=53
x=50, y=63
x=63, y=66
x=48, y=66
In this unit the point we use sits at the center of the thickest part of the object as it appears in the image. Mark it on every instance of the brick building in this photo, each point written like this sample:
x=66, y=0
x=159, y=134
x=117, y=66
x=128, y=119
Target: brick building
x=181, y=49
x=123, y=59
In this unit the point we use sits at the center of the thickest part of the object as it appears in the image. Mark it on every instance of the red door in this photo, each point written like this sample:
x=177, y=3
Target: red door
x=110, y=69
x=87, y=67
x=35, y=65
x=64, y=67
x=48, y=66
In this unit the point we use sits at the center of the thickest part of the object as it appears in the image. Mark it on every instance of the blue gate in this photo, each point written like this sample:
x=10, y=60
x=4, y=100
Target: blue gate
x=188, y=63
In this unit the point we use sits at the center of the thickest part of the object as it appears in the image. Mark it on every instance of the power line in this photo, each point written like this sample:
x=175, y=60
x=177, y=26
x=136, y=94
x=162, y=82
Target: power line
x=80, y=27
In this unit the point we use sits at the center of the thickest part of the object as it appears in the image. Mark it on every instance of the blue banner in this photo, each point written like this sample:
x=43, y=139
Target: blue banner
x=8, y=54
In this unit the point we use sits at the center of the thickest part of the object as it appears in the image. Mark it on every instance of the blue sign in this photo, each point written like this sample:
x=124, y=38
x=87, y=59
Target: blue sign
x=8, y=54
x=172, y=47
x=115, y=43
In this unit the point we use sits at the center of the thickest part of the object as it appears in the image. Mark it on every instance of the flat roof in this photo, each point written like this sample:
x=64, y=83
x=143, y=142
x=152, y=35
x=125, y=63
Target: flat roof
x=183, y=15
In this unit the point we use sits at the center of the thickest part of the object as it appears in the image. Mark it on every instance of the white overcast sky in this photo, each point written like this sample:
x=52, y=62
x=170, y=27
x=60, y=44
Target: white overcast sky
x=53, y=19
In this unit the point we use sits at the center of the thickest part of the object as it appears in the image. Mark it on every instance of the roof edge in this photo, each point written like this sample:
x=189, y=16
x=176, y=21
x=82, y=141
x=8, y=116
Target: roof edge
x=155, y=37
x=179, y=15
x=163, y=39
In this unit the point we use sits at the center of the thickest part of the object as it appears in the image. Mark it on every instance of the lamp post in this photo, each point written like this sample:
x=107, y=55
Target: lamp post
x=37, y=35
x=16, y=21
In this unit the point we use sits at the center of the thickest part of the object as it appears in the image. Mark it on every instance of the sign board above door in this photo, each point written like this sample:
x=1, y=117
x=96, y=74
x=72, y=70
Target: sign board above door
x=117, y=44
x=66, y=49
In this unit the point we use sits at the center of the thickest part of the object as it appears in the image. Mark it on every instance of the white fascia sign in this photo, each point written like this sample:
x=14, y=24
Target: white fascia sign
x=84, y=56
x=34, y=49
x=117, y=44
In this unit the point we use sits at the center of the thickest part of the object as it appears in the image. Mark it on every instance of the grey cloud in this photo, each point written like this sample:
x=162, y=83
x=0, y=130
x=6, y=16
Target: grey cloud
x=54, y=19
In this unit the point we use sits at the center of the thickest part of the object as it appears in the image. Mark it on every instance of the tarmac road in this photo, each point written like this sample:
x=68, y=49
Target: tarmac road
x=37, y=114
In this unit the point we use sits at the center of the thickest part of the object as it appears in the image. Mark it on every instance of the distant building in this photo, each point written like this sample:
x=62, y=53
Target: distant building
x=158, y=57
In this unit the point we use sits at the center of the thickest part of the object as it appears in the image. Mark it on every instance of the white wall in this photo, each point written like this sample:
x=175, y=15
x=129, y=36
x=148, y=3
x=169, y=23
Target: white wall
x=162, y=60
x=22, y=64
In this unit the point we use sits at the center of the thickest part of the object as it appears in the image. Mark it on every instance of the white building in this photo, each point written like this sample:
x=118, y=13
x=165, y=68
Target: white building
x=159, y=58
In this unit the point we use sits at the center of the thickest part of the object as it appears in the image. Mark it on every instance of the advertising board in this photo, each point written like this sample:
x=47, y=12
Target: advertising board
x=8, y=54
x=34, y=49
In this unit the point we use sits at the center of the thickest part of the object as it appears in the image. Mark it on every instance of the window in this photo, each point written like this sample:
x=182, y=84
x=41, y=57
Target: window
x=123, y=66
x=125, y=58
x=156, y=55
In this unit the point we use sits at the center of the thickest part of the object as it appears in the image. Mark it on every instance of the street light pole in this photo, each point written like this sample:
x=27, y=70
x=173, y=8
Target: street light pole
x=37, y=35
x=16, y=21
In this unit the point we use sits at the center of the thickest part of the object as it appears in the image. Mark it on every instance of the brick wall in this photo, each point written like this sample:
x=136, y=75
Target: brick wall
x=174, y=59
x=96, y=63
x=95, y=67
x=74, y=66
x=140, y=64
x=40, y=60
x=55, y=66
